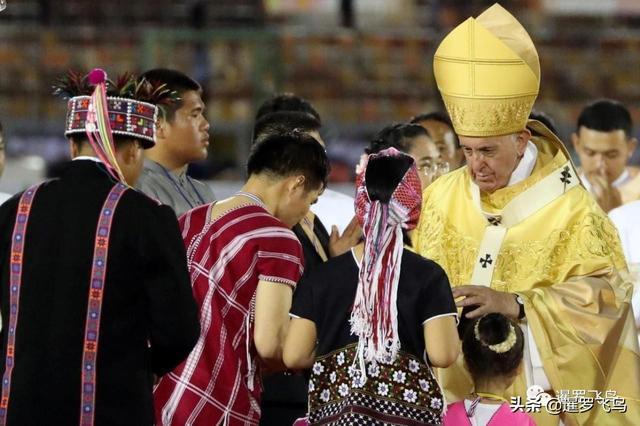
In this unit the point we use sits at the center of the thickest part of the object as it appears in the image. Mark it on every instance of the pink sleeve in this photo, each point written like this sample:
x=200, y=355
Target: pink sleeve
x=280, y=258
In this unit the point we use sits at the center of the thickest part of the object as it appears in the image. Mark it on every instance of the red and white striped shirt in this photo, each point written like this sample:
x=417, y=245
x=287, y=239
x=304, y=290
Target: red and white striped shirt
x=218, y=384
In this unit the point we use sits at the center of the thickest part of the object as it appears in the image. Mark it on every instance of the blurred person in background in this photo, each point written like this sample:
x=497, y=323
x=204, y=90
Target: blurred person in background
x=285, y=122
x=287, y=102
x=518, y=235
x=3, y=195
x=333, y=208
x=627, y=221
x=604, y=142
x=311, y=230
x=441, y=132
x=285, y=395
x=95, y=296
x=245, y=263
x=182, y=137
x=414, y=140
x=545, y=119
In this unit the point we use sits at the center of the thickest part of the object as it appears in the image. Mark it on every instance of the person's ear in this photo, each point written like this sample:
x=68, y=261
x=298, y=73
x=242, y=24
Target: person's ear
x=575, y=140
x=161, y=128
x=297, y=182
x=522, y=140
x=129, y=153
x=73, y=149
x=632, y=144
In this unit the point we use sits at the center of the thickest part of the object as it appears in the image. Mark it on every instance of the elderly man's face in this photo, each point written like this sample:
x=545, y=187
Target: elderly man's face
x=493, y=159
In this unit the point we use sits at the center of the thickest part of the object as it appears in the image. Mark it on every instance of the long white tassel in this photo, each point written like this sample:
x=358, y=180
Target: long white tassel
x=368, y=303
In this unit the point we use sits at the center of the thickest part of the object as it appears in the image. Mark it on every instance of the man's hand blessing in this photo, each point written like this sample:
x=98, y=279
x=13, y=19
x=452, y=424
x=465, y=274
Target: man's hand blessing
x=487, y=301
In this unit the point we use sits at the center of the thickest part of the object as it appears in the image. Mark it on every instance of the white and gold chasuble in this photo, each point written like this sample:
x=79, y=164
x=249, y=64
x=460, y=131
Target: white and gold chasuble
x=546, y=239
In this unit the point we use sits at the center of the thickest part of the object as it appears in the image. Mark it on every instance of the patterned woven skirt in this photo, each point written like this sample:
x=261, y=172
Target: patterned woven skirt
x=402, y=393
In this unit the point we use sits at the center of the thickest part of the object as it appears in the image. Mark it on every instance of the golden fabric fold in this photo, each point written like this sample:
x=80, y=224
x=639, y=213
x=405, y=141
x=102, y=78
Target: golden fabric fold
x=565, y=260
x=592, y=342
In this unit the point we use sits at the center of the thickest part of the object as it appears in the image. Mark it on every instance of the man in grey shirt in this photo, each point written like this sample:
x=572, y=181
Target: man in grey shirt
x=182, y=137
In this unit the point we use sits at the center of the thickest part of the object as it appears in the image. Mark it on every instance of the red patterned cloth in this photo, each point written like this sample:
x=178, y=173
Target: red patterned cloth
x=374, y=316
x=219, y=383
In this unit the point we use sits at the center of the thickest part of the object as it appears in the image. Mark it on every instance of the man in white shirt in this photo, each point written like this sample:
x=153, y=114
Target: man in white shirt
x=626, y=219
x=604, y=143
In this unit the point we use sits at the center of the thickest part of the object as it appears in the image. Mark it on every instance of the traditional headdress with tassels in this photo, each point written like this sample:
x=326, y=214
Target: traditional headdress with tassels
x=101, y=108
x=374, y=318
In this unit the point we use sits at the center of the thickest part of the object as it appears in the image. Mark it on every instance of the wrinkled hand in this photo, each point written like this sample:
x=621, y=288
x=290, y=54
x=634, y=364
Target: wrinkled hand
x=606, y=195
x=339, y=244
x=487, y=300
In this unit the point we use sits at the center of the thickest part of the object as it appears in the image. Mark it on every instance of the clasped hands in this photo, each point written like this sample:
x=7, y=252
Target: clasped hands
x=487, y=301
x=605, y=194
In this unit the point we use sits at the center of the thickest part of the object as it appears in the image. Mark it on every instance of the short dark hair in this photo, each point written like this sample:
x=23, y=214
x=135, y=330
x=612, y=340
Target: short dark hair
x=277, y=123
x=436, y=116
x=606, y=115
x=382, y=176
x=175, y=81
x=545, y=119
x=287, y=102
x=384, y=173
x=483, y=362
x=433, y=116
x=399, y=136
x=290, y=153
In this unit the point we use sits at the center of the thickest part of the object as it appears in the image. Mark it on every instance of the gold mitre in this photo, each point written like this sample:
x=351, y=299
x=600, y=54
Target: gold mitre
x=488, y=74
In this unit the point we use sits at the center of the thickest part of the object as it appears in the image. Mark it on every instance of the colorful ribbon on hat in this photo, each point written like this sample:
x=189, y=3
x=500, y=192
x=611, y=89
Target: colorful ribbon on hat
x=97, y=125
x=374, y=318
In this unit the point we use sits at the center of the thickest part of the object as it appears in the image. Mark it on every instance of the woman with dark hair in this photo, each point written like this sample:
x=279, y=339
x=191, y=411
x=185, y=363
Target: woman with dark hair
x=381, y=314
x=493, y=347
x=414, y=140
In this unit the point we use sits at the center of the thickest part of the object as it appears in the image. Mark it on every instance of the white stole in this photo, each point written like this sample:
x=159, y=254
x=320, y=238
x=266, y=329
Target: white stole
x=517, y=210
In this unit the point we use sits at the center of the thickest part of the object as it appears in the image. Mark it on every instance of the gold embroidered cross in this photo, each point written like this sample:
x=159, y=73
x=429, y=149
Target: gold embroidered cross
x=494, y=220
x=566, y=177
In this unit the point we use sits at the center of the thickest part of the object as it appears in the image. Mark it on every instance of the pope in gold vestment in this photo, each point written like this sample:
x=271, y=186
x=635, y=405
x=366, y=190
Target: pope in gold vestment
x=543, y=238
x=564, y=261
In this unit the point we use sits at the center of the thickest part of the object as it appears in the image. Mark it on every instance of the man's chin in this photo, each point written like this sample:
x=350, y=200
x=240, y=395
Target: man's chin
x=201, y=156
x=488, y=187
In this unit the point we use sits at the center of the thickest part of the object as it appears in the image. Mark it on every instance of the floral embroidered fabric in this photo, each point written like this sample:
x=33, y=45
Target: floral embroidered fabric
x=402, y=393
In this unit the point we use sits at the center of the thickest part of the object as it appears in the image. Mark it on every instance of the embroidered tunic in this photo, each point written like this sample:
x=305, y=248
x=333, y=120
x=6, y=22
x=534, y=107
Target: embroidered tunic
x=147, y=320
x=401, y=393
x=219, y=383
